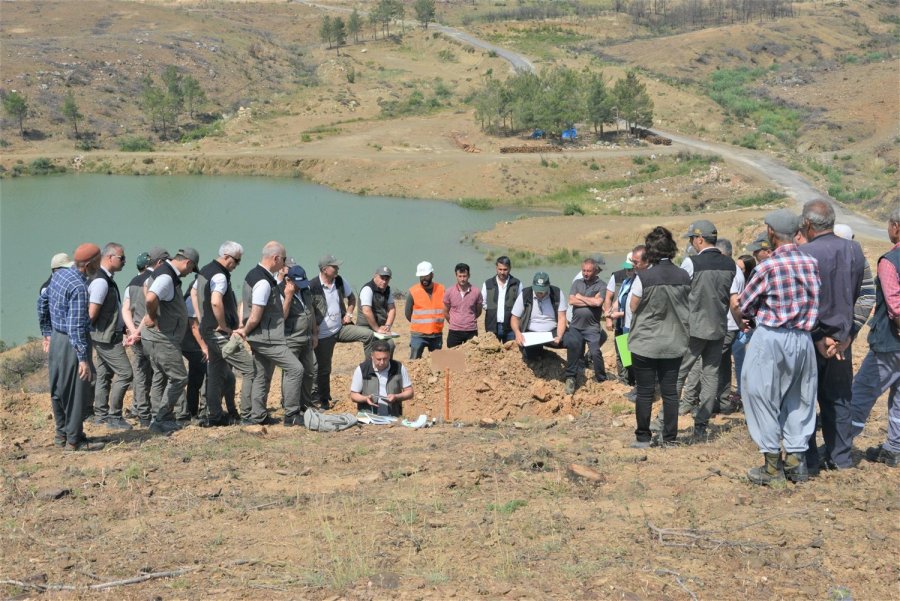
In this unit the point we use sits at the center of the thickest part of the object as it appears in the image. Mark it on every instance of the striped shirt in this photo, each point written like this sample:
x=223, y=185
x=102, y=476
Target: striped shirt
x=64, y=308
x=784, y=290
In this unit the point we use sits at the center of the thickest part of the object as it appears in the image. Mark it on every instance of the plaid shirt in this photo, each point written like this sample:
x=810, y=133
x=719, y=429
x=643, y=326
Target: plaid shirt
x=784, y=290
x=64, y=307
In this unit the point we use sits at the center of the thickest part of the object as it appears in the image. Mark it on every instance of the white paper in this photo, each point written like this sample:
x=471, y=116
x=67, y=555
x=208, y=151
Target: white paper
x=533, y=338
x=386, y=336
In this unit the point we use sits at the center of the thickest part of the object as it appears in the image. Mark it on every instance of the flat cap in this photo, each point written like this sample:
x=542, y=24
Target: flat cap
x=157, y=254
x=703, y=228
x=783, y=222
x=761, y=242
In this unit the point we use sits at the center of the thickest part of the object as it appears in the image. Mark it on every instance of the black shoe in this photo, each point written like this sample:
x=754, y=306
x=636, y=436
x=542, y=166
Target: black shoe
x=84, y=444
x=269, y=421
x=293, y=420
x=880, y=454
x=117, y=423
x=145, y=422
x=98, y=420
x=183, y=422
x=214, y=422
x=700, y=434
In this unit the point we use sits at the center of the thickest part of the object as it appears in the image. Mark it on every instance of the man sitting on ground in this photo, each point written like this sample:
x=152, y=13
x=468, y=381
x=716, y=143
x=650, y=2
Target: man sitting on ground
x=380, y=384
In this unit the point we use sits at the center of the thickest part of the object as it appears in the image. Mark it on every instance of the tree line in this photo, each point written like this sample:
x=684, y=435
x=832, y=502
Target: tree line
x=702, y=13
x=559, y=97
x=334, y=31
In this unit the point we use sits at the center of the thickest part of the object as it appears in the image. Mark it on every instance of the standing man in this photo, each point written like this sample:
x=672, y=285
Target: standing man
x=264, y=330
x=380, y=384
x=880, y=370
x=778, y=381
x=715, y=280
x=424, y=311
x=57, y=262
x=214, y=298
x=539, y=308
x=498, y=295
x=63, y=315
x=114, y=373
x=376, y=306
x=760, y=248
x=301, y=328
x=134, y=308
x=586, y=299
x=339, y=302
x=841, y=265
x=462, y=308
x=163, y=330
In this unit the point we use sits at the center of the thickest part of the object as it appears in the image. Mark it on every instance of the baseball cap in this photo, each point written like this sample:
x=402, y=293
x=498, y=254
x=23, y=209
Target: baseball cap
x=143, y=260
x=842, y=230
x=701, y=228
x=384, y=271
x=627, y=265
x=541, y=282
x=191, y=253
x=783, y=222
x=761, y=242
x=61, y=260
x=424, y=268
x=298, y=275
x=290, y=261
x=327, y=260
x=157, y=254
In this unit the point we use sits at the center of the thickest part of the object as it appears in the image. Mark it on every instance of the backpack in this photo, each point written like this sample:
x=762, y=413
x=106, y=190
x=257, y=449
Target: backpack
x=327, y=422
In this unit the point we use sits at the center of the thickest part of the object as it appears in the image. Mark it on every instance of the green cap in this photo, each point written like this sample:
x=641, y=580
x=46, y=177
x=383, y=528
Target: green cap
x=541, y=282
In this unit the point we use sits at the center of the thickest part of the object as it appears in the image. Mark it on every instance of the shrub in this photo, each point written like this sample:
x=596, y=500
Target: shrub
x=135, y=144
x=476, y=204
x=573, y=208
x=594, y=167
x=18, y=365
x=44, y=166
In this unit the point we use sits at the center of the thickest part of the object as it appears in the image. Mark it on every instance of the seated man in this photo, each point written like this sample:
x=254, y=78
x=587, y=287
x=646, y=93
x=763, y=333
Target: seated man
x=380, y=384
x=539, y=308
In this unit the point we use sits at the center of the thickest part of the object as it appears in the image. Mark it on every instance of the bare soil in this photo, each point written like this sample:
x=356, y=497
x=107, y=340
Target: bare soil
x=484, y=506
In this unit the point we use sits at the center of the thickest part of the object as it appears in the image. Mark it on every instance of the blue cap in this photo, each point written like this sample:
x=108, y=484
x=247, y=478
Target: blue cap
x=298, y=275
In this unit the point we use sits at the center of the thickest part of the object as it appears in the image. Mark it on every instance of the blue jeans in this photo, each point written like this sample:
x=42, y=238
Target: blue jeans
x=503, y=334
x=419, y=342
x=738, y=351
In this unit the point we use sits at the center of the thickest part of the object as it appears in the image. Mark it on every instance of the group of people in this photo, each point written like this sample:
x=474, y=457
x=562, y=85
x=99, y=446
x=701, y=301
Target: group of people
x=787, y=314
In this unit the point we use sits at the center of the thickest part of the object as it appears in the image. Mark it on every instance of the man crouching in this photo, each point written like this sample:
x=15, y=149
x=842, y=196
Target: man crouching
x=380, y=384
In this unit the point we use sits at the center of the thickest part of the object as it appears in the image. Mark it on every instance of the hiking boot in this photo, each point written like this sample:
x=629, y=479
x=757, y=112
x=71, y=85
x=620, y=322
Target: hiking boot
x=570, y=385
x=631, y=395
x=685, y=407
x=293, y=420
x=98, y=420
x=641, y=444
x=144, y=422
x=214, y=422
x=117, y=423
x=659, y=443
x=657, y=424
x=732, y=404
x=770, y=472
x=795, y=467
x=165, y=428
x=84, y=444
x=700, y=433
x=59, y=441
x=880, y=454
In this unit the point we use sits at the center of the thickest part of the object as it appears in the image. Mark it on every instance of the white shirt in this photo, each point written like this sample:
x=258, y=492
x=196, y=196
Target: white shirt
x=98, y=289
x=543, y=319
x=501, y=298
x=356, y=384
x=218, y=283
x=163, y=286
x=367, y=294
x=261, y=290
x=331, y=324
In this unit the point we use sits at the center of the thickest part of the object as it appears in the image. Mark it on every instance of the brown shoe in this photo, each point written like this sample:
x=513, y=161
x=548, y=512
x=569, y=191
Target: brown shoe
x=84, y=445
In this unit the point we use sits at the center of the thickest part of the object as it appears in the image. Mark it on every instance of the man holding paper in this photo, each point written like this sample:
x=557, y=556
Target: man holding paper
x=539, y=317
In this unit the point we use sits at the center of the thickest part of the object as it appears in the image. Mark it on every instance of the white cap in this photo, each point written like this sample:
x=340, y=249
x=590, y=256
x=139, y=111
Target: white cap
x=60, y=260
x=424, y=268
x=630, y=257
x=842, y=230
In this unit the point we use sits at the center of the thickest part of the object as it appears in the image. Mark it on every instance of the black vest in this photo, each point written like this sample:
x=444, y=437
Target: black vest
x=271, y=325
x=528, y=300
x=208, y=321
x=884, y=336
x=106, y=329
x=315, y=286
x=379, y=304
x=172, y=317
x=301, y=315
x=490, y=313
x=370, y=386
x=136, y=296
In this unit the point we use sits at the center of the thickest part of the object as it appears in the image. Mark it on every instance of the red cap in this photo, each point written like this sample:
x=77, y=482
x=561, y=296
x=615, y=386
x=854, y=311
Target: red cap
x=86, y=252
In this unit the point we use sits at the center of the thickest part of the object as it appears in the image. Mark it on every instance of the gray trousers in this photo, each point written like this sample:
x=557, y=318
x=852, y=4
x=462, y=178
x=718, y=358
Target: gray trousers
x=325, y=351
x=217, y=374
x=143, y=379
x=169, y=378
x=709, y=354
x=878, y=372
x=778, y=387
x=69, y=394
x=307, y=357
x=267, y=357
x=690, y=392
x=114, y=376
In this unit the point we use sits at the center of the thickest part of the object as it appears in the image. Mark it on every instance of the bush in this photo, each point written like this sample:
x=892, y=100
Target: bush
x=44, y=166
x=595, y=167
x=18, y=365
x=573, y=208
x=446, y=56
x=201, y=131
x=476, y=204
x=135, y=144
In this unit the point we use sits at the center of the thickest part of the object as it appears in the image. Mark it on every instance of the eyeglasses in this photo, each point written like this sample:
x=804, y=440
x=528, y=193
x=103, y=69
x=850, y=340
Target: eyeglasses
x=237, y=260
x=283, y=259
x=119, y=257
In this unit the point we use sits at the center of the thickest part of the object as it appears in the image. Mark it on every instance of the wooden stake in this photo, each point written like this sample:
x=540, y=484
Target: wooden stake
x=446, y=395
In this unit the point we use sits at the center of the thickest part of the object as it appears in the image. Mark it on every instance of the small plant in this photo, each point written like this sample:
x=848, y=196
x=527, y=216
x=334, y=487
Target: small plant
x=594, y=167
x=476, y=204
x=305, y=138
x=135, y=144
x=446, y=56
x=573, y=209
x=509, y=507
x=638, y=160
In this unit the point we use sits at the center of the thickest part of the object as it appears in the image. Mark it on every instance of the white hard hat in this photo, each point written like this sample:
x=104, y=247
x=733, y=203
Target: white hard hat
x=424, y=268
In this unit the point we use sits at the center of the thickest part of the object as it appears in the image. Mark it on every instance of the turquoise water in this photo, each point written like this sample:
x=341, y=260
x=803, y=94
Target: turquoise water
x=40, y=217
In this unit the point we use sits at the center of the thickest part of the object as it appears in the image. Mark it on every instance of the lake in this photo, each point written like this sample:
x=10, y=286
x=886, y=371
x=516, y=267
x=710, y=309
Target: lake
x=41, y=216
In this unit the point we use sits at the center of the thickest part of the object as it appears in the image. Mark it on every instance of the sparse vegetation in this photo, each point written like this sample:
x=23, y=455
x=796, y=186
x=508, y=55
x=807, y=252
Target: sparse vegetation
x=135, y=144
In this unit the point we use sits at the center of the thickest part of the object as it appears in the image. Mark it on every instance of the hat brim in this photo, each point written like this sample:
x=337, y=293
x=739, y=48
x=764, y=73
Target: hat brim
x=300, y=284
x=537, y=288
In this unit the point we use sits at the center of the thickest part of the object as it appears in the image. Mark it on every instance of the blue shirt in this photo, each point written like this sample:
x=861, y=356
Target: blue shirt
x=64, y=308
